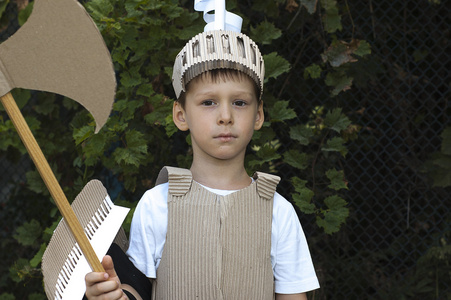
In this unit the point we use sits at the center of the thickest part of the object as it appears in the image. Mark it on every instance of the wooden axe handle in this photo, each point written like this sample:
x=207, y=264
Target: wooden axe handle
x=50, y=181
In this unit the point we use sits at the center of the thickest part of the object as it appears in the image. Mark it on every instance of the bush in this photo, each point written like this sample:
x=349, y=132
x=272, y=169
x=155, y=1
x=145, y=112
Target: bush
x=140, y=137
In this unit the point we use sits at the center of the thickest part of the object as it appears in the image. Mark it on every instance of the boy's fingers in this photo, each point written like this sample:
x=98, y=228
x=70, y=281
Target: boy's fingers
x=109, y=286
x=104, y=284
x=98, y=285
x=95, y=277
x=108, y=265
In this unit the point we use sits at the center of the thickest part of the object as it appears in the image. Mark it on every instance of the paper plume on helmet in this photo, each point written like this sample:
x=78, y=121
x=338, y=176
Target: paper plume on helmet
x=220, y=46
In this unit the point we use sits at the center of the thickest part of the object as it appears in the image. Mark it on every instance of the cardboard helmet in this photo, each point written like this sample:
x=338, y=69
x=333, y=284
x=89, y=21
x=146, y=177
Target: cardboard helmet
x=221, y=46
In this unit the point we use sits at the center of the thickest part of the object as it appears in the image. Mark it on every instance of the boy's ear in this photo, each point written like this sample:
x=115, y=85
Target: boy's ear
x=178, y=116
x=260, y=118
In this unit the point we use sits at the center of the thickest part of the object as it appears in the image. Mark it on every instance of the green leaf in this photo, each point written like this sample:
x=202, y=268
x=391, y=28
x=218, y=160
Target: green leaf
x=300, y=200
x=296, y=159
x=339, y=81
x=135, y=150
x=120, y=105
x=99, y=8
x=132, y=9
x=35, y=183
x=188, y=32
x=313, y=71
x=18, y=271
x=338, y=54
x=303, y=196
x=34, y=262
x=81, y=134
x=48, y=232
x=128, y=108
x=442, y=161
x=170, y=126
x=280, y=112
x=331, y=17
x=265, y=135
x=268, y=7
x=47, y=106
x=301, y=133
x=25, y=13
x=70, y=104
x=298, y=184
x=120, y=56
x=266, y=153
x=334, y=216
x=335, y=203
x=172, y=11
x=364, y=48
x=136, y=141
x=337, y=179
x=9, y=137
x=125, y=156
x=130, y=79
x=335, y=144
x=332, y=22
x=28, y=233
x=265, y=32
x=94, y=148
x=446, y=143
x=145, y=90
x=336, y=121
x=161, y=109
x=441, y=177
x=351, y=133
x=275, y=65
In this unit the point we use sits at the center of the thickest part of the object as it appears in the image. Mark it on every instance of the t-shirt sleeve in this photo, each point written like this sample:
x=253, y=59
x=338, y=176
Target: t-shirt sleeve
x=148, y=231
x=293, y=267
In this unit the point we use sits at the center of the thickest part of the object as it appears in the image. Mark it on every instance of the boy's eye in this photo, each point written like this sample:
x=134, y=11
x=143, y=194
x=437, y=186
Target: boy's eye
x=239, y=103
x=207, y=102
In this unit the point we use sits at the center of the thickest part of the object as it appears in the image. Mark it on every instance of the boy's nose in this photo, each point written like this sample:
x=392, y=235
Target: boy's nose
x=225, y=115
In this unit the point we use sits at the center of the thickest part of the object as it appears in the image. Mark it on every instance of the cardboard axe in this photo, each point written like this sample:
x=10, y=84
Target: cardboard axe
x=60, y=50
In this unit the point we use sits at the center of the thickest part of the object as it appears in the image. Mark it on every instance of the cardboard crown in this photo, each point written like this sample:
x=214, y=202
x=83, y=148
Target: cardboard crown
x=218, y=49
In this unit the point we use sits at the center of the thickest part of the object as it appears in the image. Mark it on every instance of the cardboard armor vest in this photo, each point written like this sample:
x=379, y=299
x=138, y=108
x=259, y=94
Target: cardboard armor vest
x=217, y=247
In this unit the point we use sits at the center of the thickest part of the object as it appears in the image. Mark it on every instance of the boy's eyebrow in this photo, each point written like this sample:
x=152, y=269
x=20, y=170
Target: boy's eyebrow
x=211, y=92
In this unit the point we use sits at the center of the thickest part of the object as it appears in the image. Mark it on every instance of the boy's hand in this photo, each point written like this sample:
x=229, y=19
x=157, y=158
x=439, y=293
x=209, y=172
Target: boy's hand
x=104, y=286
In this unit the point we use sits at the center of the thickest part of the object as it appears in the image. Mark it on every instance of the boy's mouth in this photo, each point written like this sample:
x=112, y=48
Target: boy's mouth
x=225, y=137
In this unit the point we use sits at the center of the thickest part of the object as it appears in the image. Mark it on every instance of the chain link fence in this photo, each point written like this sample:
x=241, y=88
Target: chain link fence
x=397, y=220
x=393, y=245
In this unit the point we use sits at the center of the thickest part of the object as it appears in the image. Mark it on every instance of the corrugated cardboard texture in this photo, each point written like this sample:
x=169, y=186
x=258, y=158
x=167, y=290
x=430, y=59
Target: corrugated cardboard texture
x=63, y=256
x=217, y=247
x=217, y=49
x=61, y=246
x=60, y=50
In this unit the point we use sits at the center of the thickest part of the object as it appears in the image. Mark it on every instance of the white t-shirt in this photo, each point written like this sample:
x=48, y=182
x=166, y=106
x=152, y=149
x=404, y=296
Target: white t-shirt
x=290, y=257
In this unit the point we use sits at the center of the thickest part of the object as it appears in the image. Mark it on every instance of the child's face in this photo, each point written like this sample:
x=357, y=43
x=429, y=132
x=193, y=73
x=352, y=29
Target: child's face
x=221, y=116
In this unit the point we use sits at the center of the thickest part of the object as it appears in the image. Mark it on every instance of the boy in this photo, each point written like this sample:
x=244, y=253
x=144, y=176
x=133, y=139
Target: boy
x=212, y=232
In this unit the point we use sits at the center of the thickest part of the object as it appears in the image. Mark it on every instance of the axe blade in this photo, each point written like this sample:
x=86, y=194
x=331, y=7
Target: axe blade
x=60, y=50
x=63, y=265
